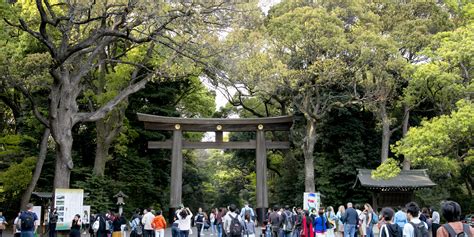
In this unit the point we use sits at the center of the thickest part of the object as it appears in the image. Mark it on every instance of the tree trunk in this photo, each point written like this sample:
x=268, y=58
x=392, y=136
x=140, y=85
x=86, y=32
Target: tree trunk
x=386, y=133
x=406, y=162
x=308, y=150
x=107, y=130
x=62, y=113
x=25, y=199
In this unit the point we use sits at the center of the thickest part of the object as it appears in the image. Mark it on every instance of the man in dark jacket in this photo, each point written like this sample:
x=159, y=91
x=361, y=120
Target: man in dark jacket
x=350, y=220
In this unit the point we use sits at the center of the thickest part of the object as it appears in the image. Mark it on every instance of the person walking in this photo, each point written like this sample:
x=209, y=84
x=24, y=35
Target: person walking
x=370, y=216
x=400, y=217
x=17, y=226
x=307, y=224
x=435, y=219
x=331, y=222
x=117, y=223
x=232, y=222
x=3, y=223
x=199, y=220
x=29, y=222
x=53, y=219
x=339, y=224
x=249, y=226
x=350, y=220
x=219, y=223
x=413, y=211
x=212, y=221
x=389, y=229
x=184, y=223
x=76, y=226
x=319, y=224
x=451, y=211
x=275, y=221
x=146, y=221
x=287, y=221
x=298, y=220
x=159, y=224
x=247, y=210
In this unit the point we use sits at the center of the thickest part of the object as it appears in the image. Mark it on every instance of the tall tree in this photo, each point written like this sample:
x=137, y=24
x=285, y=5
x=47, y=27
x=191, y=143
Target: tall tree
x=309, y=42
x=77, y=33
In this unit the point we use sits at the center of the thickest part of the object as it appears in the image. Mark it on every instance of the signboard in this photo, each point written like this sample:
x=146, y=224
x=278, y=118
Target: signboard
x=37, y=211
x=68, y=203
x=311, y=201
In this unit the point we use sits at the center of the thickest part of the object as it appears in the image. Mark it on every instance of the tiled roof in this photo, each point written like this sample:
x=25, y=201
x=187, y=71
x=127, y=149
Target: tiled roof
x=406, y=180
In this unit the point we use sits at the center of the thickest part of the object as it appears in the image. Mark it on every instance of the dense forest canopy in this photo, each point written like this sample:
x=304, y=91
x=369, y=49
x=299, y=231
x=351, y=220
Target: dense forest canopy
x=384, y=85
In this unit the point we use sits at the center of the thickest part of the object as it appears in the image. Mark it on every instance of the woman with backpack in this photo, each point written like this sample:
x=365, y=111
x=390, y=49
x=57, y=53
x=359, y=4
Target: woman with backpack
x=371, y=219
x=307, y=223
x=319, y=224
x=331, y=222
x=339, y=223
x=389, y=229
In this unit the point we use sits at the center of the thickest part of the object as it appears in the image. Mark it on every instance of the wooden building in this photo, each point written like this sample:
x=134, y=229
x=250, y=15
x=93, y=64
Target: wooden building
x=396, y=191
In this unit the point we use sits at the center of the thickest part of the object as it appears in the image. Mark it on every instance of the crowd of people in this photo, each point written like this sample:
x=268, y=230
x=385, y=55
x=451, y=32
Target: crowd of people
x=347, y=221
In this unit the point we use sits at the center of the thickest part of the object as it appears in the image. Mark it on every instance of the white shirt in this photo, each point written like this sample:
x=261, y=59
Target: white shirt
x=408, y=230
x=435, y=217
x=227, y=220
x=147, y=220
x=212, y=217
x=16, y=222
x=184, y=224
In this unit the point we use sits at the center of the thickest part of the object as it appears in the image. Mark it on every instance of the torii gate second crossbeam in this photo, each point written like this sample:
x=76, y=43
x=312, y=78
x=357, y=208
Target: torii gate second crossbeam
x=218, y=125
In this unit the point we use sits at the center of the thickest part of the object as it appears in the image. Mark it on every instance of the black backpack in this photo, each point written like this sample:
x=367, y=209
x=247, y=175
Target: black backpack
x=102, y=223
x=420, y=229
x=199, y=218
x=465, y=233
x=28, y=221
x=235, y=226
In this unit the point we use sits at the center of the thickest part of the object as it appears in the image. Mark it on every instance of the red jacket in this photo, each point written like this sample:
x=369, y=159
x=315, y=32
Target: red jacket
x=307, y=228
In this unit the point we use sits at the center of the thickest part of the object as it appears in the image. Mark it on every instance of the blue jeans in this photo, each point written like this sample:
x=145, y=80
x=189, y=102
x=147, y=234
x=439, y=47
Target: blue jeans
x=175, y=231
x=296, y=232
x=219, y=230
x=370, y=230
x=184, y=233
x=287, y=233
x=349, y=230
x=27, y=233
x=213, y=228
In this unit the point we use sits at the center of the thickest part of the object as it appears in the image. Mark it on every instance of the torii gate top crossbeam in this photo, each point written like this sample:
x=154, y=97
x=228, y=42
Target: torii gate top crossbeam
x=154, y=122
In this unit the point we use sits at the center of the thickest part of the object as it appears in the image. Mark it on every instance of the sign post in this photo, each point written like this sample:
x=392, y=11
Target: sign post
x=311, y=201
x=68, y=203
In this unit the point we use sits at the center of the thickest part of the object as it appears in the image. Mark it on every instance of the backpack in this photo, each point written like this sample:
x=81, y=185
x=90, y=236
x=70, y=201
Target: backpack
x=138, y=227
x=248, y=212
x=235, y=226
x=329, y=225
x=375, y=218
x=288, y=224
x=28, y=222
x=419, y=229
x=102, y=223
x=465, y=233
x=199, y=218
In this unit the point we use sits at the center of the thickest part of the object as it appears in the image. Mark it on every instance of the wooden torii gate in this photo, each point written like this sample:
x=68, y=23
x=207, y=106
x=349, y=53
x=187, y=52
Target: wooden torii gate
x=217, y=125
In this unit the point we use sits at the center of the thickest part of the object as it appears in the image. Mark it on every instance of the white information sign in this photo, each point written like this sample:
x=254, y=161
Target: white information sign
x=68, y=203
x=37, y=211
x=311, y=201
